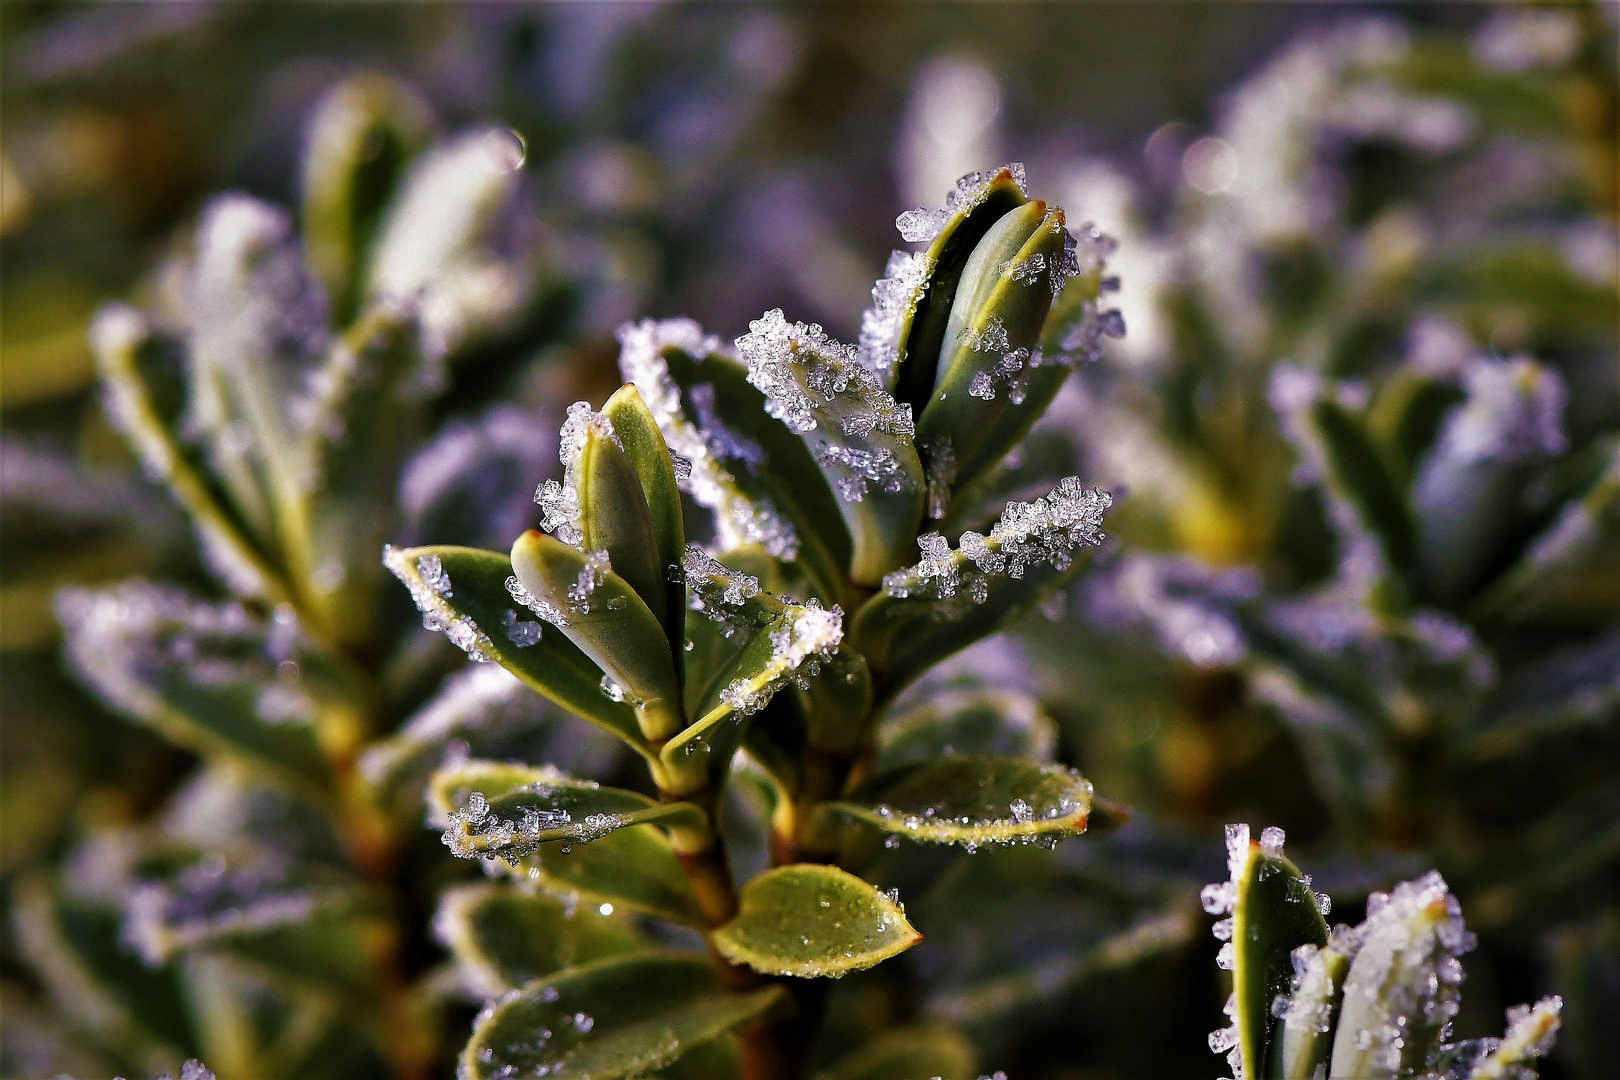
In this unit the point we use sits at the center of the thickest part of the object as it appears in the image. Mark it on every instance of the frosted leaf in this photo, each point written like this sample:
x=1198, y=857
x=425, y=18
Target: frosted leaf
x=894, y=300
x=1046, y=531
x=940, y=472
x=132, y=642
x=431, y=570
x=723, y=443
x=738, y=520
x=1531, y=1030
x=813, y=384
x=559, y=502
x=591, y=576
x=433, y=249
x=462, y=631
x=1514, y=412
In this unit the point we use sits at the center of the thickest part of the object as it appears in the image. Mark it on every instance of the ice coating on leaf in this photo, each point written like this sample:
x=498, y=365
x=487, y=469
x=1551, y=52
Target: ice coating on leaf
x=559, y=502
x=1406, y=973
x=894, y=299
x=805, y=635
x=462, y=631
x=543, y=608
x=432, y=249
x=1531, y=1030
x=1187, y=605
x=717, y=591
x=1045, y=531
x=807, y=377
x=476, y=832
x=1514, y=411
x=737, y=519
x=126, y=640
x=592, y=574
x=921, y=225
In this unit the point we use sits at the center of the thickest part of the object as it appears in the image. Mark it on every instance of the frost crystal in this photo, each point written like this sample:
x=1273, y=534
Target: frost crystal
x=814, y=384
x=1046, y=531
x=591, y=576
x=738, y=519
x=894, y=299
x=922, y=225
x=1514, y=411
x=559, y=503
x=520, y=633
x=543, y=608
x=430, y=600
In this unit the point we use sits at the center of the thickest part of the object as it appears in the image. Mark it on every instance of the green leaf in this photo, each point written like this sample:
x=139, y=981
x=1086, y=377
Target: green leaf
x=764, y=461
x=465, y=592
x=364, y=131
x=1358, y=470
x=955, y=597
x=1004, y=723
x=909, y=1053
x=717, y=1059
x=366, y=418
x=614, y=517
x=644, y=446
x=1273, y=913
x=1405, y=417
x=1402, y=987
x=497, y=810
x=921, y=336
x=134, y=1011
x=623, y=1016
x=1303, y=1039
x=859, y=436
x=124, y=348
x=810, y=921
x=994, y=328
x=836, y=703
x=756, y=477
x=505, y=935
x=782, y=641
x=1530, y=1033
x=600, y=613
x=634, y=867
x=209, y=677
x=973, y=799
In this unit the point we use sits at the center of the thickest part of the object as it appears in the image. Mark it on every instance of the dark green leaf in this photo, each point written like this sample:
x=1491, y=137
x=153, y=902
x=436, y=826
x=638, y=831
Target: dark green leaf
x=623, y=1016
x=614, y=518
x=505, y=935
x=809, y=921
x=1004, y=723
x=1358, y=470
x=477, y=607
x=973, y=799
x=600, y=613
x=644, y=446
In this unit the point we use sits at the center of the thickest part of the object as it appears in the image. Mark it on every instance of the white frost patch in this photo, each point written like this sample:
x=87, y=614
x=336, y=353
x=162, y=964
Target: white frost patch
x=430, y=600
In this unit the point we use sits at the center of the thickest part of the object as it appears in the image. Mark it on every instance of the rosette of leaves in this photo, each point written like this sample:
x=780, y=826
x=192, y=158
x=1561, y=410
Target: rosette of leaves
x=1374, y=1000
x=275, y=383
x=757, y=663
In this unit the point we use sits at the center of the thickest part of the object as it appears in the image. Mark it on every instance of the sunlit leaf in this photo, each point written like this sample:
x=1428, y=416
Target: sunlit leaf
x=505, y=935
x=811, y=921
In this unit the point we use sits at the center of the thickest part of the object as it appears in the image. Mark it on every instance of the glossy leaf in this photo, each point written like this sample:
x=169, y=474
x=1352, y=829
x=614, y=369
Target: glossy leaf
x=999, y=722
x=921, y=336
x=614, y=518
x=601, y=614
x=509, y=810
x=908, y=1053
x=993, y=332
x=464, y=592
x=623, y=1016
x=1274, y=912
x=810, y=921
x=647, y=453
x=782, y=641
x=860, y=437
x=973, y=799
x=505, y=935
x=363, y=132
x=764, y=461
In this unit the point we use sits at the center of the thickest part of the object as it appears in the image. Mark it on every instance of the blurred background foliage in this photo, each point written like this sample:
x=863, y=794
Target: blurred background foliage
x=1324, y=608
